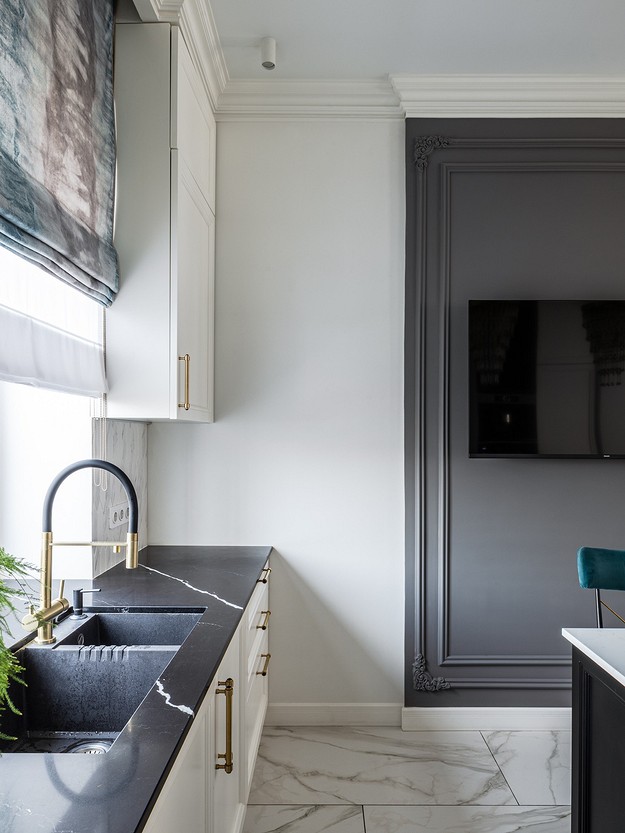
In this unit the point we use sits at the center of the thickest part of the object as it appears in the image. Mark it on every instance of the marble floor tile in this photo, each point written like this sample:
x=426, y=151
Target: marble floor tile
x=536, y=765
x=468, y=819
x=349, y=765
x=277, y=818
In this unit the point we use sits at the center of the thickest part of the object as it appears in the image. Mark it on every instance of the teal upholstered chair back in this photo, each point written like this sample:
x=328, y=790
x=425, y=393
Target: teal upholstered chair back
x=601, y=569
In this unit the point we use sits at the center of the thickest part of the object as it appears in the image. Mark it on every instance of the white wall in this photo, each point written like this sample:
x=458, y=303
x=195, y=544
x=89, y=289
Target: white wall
x=307, y=450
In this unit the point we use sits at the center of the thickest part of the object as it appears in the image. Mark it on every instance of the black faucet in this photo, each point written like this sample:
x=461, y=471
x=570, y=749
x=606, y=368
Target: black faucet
x=41, y=619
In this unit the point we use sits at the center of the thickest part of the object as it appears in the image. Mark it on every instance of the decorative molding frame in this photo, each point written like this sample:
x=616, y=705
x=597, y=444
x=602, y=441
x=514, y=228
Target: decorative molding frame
x=424, y=146
x=445, y=658
x=415, y=417
x=334, y=714
x=420, y=154
x=486, y=719
x=422, y=680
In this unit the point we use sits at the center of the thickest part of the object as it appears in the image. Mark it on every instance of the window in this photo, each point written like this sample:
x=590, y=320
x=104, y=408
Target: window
x=50, y=335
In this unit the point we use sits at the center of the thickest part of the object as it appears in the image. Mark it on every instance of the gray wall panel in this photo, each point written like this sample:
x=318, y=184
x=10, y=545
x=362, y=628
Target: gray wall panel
x=491, y=554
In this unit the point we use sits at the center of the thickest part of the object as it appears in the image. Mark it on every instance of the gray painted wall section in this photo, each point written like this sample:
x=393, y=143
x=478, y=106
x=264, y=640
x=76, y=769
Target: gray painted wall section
x=527, y=209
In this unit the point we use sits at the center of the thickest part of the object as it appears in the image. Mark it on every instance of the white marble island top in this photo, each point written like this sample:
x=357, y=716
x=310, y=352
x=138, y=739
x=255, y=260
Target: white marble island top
x=604, y=646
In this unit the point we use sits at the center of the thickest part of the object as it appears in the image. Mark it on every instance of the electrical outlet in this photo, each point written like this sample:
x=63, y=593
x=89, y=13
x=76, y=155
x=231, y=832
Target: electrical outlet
x=118, y=515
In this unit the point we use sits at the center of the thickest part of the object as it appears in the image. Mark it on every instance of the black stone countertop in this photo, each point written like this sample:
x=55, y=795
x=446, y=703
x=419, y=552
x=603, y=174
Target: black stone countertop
x=115, y=792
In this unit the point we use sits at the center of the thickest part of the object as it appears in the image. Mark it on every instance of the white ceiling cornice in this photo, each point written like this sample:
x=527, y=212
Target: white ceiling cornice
x=427, y=96
x=279, y=98
x=200, y=32
x=510, y=96
x=398, y=96
x=159, y=10
x=197, y=23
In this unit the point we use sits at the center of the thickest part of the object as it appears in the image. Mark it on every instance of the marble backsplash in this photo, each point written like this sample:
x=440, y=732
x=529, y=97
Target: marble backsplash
x=126, y=447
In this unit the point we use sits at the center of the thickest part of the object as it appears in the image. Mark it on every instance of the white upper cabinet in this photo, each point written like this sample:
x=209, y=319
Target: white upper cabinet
x=160, y=329
x=192, y=122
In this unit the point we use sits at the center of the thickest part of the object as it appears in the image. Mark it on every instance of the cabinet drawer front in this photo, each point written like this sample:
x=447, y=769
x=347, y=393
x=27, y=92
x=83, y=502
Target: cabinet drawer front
x=256, y=705
x=257, y=619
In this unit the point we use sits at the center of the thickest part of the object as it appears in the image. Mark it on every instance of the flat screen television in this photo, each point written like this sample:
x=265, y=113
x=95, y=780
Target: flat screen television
x=546, y=378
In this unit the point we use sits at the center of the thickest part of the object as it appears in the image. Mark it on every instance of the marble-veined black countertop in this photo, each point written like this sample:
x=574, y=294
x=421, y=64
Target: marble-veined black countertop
x=115, y=792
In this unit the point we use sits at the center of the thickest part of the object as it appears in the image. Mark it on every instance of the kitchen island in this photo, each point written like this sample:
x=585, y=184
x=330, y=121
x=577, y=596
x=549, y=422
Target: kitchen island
x=116, y=791
x=598, y=742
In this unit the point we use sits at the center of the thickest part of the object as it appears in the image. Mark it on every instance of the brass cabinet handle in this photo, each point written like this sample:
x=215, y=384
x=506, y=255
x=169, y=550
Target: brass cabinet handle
x=228, y=690
x=265, y=622
x=263, y=673
x=264, y=578
x=187, y=361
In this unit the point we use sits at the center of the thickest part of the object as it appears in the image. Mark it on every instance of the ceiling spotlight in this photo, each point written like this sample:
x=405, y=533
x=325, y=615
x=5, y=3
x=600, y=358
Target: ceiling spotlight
x=268, y=53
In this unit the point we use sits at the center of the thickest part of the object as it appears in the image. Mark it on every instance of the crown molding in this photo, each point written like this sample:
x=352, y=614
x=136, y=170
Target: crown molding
x=200, y=33
x=397, y=96
x=197, y=24
x=277, y=98
x=167, y=11
x=510, y=96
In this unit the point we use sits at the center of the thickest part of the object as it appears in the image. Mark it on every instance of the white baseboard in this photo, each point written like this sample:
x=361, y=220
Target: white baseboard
x=417, y=719
x=486, y=719
x=333, y=714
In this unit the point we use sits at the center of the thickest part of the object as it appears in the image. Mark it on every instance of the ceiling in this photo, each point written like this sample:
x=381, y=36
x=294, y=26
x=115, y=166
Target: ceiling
x=370, y=39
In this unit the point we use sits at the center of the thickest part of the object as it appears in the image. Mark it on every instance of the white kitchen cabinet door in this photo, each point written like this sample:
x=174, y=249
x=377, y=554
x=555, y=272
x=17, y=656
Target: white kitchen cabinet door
x=193, y=127
x=193, y=295
x=164, y=232
x=182, y=804
x=226, y=789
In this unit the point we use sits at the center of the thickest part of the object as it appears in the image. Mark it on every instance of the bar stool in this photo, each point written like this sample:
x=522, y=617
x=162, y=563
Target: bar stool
x=601, y=569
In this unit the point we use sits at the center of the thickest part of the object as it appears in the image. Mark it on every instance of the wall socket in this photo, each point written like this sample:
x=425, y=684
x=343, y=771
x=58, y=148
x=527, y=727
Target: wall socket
x=118, y=515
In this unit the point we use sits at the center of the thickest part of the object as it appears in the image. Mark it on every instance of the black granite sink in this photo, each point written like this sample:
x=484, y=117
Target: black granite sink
x=132, y=628
x=78, y=698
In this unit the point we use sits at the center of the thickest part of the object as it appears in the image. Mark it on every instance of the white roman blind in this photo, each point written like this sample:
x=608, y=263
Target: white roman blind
x=50, y=335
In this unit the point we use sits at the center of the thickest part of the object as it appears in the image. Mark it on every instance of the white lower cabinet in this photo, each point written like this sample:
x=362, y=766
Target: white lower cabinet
x=226, y=797
x=183, y=802
x=207, y=789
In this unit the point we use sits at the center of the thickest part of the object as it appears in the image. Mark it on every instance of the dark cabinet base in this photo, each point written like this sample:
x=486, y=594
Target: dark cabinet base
x=598, y=786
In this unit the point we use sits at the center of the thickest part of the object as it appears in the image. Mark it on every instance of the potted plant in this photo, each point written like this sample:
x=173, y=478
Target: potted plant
x=15, y=571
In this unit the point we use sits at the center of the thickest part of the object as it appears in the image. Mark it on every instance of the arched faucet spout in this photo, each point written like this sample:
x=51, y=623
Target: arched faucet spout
x=41, y=619
x=133, y=520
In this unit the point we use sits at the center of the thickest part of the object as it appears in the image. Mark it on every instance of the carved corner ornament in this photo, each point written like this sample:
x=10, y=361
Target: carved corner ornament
x=424, y=146
x=423, y=681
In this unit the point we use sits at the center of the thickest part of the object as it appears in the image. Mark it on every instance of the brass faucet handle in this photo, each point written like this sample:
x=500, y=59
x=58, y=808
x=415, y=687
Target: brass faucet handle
x=31, y=621
x=36, y=618
x=61, y=588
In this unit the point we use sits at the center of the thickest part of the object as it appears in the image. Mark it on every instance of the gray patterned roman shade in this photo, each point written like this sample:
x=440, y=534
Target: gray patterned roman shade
x=57, y=139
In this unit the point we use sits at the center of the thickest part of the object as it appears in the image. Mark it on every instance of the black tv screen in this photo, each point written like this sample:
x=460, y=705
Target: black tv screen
x=546, y=379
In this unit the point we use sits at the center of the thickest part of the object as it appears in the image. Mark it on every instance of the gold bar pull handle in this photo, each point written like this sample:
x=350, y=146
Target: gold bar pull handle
x=228, y=690
x=265, y=622
x=263, y=672
x=264, y=578
x=187, y=361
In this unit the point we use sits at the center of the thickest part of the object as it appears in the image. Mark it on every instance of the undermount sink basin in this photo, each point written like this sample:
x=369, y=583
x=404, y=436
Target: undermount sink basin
x=146, y=628
x=82, y=691
x=79, y=698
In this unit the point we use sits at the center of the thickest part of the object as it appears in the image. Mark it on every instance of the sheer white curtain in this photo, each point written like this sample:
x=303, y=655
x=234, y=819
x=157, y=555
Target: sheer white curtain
x=50, y=335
